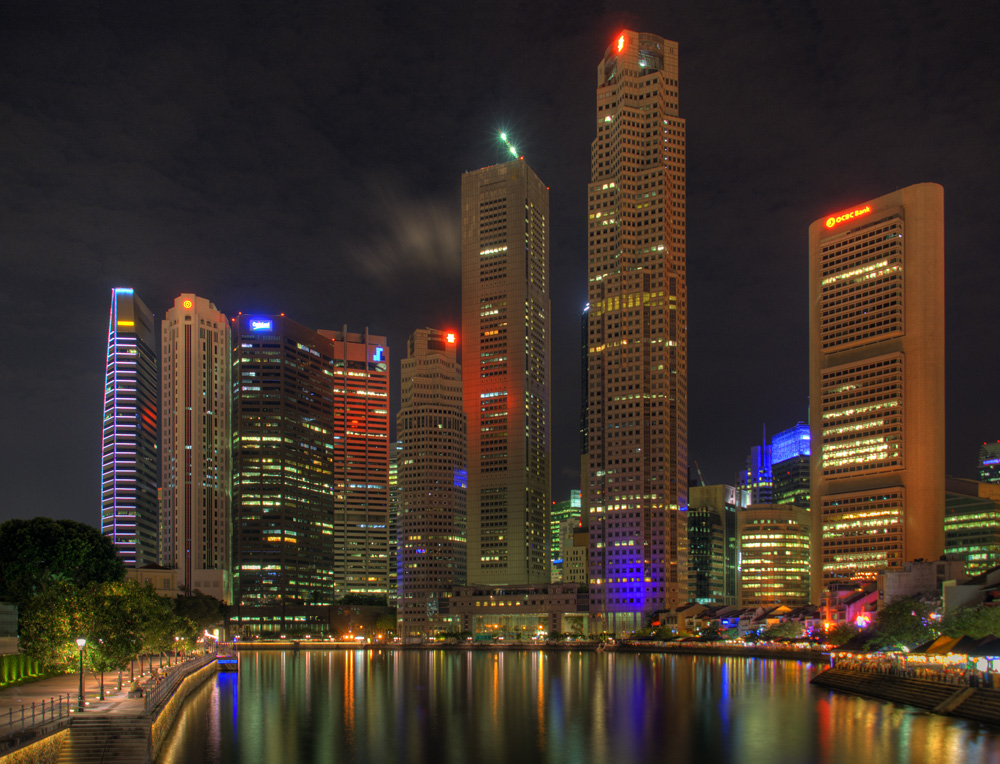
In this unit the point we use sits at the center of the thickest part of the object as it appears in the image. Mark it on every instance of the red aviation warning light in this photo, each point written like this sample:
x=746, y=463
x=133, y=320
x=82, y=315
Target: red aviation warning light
x=621, y=42
x=843, y=217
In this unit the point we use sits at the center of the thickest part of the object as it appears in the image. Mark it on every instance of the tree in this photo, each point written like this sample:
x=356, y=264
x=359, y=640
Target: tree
x=976, y=622
x=51, y=622
x=783, y=630
x=904, y=623
x=711, y=633
x=840, y=634
x=39, y=552
x=204, y=611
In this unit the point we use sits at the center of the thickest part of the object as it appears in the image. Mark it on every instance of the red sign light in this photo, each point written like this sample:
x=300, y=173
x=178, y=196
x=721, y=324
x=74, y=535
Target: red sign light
x=450, y=337
x=188, y=305
x=843, y=217
x=621, y=43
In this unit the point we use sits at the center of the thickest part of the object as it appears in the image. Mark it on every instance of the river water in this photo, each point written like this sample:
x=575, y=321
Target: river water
x=537, y=707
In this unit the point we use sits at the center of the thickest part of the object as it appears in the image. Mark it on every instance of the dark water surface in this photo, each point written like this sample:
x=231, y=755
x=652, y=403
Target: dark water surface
x=572, y=708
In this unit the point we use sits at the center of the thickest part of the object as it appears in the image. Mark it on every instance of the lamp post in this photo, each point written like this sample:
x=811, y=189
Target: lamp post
x=177, y=641
x=81, y=642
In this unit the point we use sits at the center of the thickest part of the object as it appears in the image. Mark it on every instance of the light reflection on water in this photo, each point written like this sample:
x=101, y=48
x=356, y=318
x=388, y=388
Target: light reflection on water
x=564, y=708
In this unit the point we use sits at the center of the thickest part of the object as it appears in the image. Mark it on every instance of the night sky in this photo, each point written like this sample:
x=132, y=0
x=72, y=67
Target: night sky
x=305, y=158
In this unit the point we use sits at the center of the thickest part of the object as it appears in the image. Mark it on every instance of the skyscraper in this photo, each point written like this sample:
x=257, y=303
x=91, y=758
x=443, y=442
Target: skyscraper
x=284, y=473
x=773, y=555
x=195, y=519
x=790, y=466
x=756, y=477
x=712, y=558
x=876, y=385
x=989, y=462
x=360, y=377
x=432, y=482
x=129, y=460
x=505, y=350
x=637, y=334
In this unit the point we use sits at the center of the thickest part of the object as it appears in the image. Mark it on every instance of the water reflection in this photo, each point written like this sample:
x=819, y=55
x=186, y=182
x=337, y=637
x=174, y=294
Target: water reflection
x=567, y=708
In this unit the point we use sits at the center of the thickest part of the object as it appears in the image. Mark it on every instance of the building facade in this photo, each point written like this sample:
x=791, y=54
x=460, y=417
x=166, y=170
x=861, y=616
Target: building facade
x=790, y=466
x=360, y=376
x=196, y=442
x=432, y=484
x=130, y=462
x=637, y=335
x=989, y=462
x=284, y=475
x=506, y=385
x=712, y=553
x=972, y=524
x=876, y=282
x=774, y=563
x=564, y=523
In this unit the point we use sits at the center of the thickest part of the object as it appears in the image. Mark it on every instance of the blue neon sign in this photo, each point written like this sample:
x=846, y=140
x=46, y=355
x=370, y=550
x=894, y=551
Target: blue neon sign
x=377, y=355
x=261, y=324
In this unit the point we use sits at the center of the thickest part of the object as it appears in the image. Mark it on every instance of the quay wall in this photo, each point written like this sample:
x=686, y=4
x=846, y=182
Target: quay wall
x=976, y=703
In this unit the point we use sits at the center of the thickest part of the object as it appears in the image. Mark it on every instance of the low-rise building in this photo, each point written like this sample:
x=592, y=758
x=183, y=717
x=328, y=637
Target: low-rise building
x=522, y=612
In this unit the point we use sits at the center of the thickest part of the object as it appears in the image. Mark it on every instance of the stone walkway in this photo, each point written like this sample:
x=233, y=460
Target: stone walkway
x=115, y=702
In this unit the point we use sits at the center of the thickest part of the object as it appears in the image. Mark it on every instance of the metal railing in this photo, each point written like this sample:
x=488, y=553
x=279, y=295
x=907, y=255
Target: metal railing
x=24, y=719
x=155, y=693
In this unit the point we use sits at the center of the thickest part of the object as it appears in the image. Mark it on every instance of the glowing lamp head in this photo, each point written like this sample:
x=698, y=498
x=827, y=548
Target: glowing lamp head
x=81, y=643
x=188, y=305
x=621, y=42
x=450, y=338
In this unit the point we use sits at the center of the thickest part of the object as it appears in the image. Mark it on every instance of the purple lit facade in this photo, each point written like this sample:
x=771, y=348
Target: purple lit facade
x=129, y=460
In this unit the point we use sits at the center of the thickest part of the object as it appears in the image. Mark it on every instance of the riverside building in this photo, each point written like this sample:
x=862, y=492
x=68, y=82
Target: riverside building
x=129, y=459
x=637, y=335
x=196, y=442
x=506, y=385
x=876, y=289
x=431, y=484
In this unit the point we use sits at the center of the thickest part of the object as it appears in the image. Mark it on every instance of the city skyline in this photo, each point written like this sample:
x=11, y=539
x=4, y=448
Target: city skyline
x=271, y=184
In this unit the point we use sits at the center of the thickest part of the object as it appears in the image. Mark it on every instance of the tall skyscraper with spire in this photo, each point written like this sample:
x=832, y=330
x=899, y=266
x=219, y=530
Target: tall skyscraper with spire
x=195, y=512
x=637, y=334
x=506, y=383
x=129, y=460
x=876, y=386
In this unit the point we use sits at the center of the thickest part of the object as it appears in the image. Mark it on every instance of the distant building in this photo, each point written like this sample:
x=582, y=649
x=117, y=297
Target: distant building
x=395, y=450
x=522, y=613
x=432, y=484
x=130, y=462
x=989, y=462
x=712, y=553
x=790, y=466
x=563, y=523
x=876, y=390
x=295, y=402
x=773, y=544
x=972, y=524
x=162, y=580
x=918, y=577
x=506, y=317
x=756, y=478
x=196, y=443
x=361, y=462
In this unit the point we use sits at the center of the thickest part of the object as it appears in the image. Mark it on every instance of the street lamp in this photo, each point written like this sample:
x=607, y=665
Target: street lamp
x=81, y=642
x=177, y=644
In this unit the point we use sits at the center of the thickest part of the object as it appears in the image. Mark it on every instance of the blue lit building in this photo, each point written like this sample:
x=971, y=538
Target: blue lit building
x=989, y=462
x=129, y=460
x=790, y=466
x=756, y=478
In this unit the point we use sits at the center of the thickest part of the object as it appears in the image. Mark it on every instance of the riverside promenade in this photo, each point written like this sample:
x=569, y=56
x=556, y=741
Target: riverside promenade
x=117, y=729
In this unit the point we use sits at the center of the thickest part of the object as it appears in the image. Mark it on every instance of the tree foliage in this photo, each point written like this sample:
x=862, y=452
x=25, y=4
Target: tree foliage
x=203, y=611
x=39, y=552
x=840, y=634
x=783, y=630
x=904, y=623
x=976, y=622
